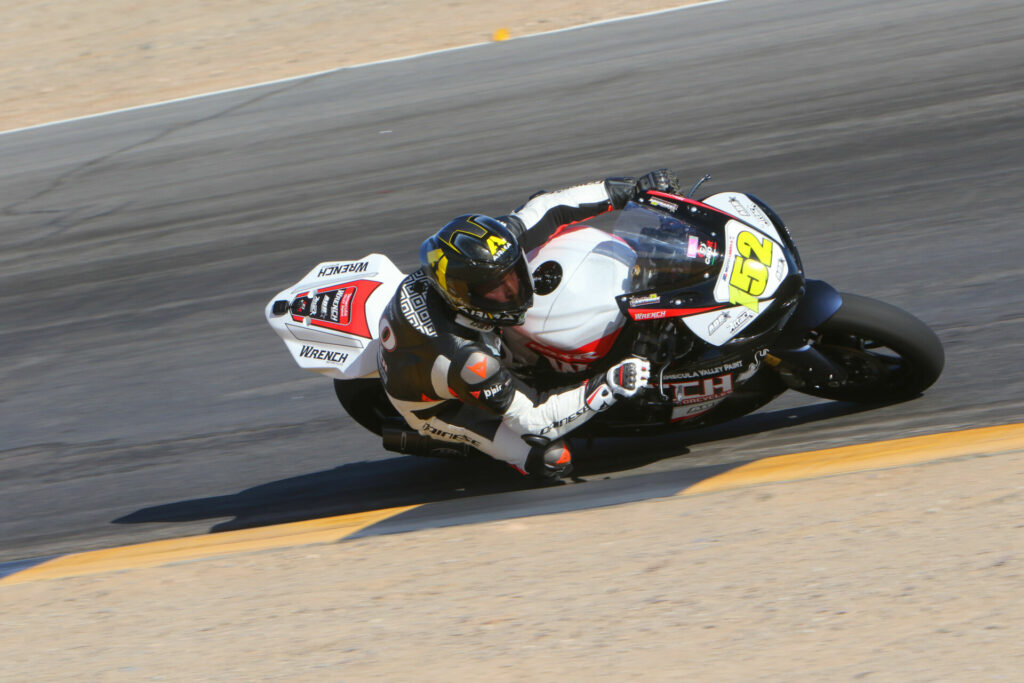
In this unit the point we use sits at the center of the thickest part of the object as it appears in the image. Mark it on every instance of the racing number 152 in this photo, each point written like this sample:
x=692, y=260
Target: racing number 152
x=750, y=270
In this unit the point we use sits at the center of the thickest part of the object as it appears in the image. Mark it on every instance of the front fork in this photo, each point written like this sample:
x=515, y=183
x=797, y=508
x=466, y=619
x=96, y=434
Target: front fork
x=805, y=368
x=800, y=365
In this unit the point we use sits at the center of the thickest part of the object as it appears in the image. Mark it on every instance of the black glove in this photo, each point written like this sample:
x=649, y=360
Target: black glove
x=662, y=180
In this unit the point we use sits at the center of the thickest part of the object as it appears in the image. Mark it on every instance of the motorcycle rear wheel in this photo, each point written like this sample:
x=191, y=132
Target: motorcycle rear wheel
x=888, y=354
x=365, y=401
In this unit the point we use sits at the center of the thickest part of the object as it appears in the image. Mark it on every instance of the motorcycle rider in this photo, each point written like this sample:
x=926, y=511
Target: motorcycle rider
x=440, y=346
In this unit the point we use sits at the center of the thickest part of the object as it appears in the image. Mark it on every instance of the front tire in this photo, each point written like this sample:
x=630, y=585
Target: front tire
x=888, y=354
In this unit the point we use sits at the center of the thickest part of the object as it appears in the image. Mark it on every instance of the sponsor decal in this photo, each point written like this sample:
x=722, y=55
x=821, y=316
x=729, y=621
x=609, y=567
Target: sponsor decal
x=729, y=247
x=701, y=390
x=343, y=268
x=473, y=324
x=427, y=428
x=692, y=244
x=742, y=319
x=492, y=391
x=644, y=300
x=718, y=322
x=341, y=308
x=707, y=372
x=738, y=208
x=497, y=246
x=636, y=314
x=649, y=315
x=565, y=420
x=335, y=314
x=680, y=413
x=313, y=353
x=661, y=203
x=706, y=251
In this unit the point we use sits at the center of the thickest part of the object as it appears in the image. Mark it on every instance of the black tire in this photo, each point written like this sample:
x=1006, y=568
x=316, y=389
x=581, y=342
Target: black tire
x=888, y=354
x=366, y=402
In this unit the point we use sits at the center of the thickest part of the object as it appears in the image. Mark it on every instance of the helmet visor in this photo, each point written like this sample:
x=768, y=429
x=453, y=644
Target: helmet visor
x=508, y=291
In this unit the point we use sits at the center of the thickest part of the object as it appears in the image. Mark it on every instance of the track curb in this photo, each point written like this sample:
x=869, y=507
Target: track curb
x=916, y=450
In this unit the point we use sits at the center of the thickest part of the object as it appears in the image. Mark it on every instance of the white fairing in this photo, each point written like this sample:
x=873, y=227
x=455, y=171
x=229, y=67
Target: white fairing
x=341, y=342
x=741, y=206
x=576, y=323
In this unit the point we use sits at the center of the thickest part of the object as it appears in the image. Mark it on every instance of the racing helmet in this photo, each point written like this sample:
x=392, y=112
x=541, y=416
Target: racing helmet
x=477, y=265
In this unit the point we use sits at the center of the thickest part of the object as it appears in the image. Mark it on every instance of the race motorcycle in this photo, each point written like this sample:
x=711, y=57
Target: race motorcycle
x=711, y=291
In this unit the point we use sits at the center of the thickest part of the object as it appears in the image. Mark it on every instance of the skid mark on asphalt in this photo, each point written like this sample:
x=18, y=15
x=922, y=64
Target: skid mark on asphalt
x=986, y=441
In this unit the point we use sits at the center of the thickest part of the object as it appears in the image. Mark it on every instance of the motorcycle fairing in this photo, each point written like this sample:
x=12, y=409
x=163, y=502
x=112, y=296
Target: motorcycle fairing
x=329, y=319
x=746, y=267
x=744, y=209
x=694, y=392
x=576, y=321
x=341, y=308
x=667, y=257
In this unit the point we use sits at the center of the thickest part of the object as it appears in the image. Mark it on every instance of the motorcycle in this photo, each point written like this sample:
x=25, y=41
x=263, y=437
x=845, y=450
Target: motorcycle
x=711, y=291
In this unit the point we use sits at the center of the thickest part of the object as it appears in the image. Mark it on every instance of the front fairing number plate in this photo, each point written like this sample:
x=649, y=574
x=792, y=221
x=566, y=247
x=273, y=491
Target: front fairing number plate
x=752, y=270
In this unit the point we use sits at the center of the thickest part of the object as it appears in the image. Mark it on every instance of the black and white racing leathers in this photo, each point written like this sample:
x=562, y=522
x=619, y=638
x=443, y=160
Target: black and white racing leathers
x=442, y=371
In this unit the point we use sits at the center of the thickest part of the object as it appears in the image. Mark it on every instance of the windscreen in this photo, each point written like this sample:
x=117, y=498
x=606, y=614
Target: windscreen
x=671, y=252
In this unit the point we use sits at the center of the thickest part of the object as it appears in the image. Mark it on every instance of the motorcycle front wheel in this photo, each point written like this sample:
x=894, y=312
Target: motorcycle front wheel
x=886, y=353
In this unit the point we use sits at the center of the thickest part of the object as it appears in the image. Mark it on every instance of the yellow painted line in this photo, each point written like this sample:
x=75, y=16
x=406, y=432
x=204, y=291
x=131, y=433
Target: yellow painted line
x=881, y=454
x=807, y=465
x=157, y=553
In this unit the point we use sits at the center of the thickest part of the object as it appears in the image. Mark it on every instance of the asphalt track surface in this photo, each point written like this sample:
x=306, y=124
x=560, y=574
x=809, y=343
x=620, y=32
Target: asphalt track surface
x=144, y=397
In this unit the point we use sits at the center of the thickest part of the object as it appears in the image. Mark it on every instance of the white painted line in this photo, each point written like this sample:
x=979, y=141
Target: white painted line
x=357, y=66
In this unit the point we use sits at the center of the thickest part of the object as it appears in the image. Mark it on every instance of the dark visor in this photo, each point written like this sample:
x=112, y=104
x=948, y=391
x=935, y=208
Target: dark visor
x=509, y=291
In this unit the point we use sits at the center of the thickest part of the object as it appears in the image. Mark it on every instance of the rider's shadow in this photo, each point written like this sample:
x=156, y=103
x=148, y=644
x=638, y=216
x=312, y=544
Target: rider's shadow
x=411, y=480
x=347, y=489
x=606, y=456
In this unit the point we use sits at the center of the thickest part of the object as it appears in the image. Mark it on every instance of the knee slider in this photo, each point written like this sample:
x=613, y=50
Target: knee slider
x=547, y=459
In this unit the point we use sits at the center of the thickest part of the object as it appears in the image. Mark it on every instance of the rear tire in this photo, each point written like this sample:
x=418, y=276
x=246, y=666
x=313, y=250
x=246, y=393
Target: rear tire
x=888, y=354
x=365, y=401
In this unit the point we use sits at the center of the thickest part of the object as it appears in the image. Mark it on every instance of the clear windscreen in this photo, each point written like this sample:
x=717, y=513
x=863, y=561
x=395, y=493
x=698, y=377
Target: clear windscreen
x=671, y=253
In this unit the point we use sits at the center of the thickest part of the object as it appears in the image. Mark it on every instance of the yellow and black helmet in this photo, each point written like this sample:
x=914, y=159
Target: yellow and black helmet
x=477, y=265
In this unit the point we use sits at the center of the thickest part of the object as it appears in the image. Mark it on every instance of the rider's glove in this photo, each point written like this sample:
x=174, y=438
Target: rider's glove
x=629, y=376
x=662, y=180
x=625, y=379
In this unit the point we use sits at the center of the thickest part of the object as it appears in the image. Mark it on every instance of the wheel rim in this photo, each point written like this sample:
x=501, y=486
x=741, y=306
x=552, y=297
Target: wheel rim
x=870, y=365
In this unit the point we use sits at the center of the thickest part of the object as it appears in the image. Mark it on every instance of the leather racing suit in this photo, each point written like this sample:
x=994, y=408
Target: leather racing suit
x=442, y=371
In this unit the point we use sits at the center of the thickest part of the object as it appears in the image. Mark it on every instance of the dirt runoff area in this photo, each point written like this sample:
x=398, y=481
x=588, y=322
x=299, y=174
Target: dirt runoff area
x=909, y=574
x=61, y=60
